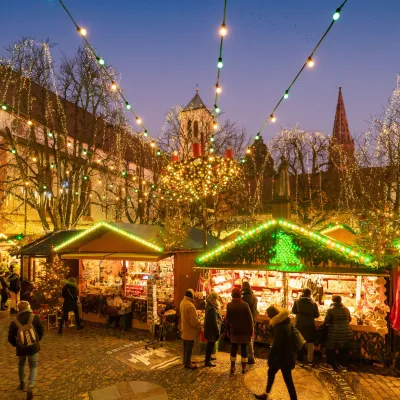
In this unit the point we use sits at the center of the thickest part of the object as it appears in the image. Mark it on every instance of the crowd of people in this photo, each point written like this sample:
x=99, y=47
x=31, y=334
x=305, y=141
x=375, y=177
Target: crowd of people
x=238, y=324
x=335, y=335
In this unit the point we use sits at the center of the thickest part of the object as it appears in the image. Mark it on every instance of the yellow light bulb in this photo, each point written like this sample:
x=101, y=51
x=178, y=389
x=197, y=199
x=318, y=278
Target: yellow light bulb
x=113, y=87
x=29, y=122
x=310, y=62
x=138, y=120
x=223, y=31
x=218, y=88
x=273, y=118
x=215, y=127
x=248, y=150
x=34, y=159
x=83, y=31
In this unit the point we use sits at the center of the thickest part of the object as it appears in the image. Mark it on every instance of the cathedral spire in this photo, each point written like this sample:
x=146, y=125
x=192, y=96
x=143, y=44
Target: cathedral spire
x=341, y=131
x=341, y=151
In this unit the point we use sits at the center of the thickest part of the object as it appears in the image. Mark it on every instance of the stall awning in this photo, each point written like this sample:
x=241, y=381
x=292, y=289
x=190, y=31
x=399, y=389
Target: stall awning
x=365, y=271
x=114, y=256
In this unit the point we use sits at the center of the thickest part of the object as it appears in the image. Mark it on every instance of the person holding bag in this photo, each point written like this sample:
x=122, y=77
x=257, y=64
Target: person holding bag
x=70, y=295
x=282, y=355
x=212, y=326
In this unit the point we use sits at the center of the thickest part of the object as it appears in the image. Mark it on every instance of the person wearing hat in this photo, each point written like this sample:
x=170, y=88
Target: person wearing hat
x=240, y=328
x=190, y=327
x=3, y=288
x=340, y=335
x=306, y=310
x=282, y=355
x=212, y=326
x=249, y=297
x=14, y=285
x=70, y=296
x=26, y=317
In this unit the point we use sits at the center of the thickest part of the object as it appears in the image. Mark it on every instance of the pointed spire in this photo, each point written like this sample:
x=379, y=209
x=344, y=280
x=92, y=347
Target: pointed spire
x=341, y=132
x=341, y=148
x=196, y=102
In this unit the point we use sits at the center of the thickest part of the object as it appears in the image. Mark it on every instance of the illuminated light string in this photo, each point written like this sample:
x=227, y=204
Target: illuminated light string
x=309, y=62
x=51, y=134
x=113, y=86
x=329, y=243
x=112, y=228
x=223, y=31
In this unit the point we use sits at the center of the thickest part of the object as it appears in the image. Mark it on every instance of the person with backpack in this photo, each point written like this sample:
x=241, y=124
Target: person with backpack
x=282, y=355
x=25, y=333
x=70, y=296
x=306, y=310
x=14, y=285
x=249, y=297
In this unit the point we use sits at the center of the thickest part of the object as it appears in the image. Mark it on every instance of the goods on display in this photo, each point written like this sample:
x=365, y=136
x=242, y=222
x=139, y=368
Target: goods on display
x=363, y=295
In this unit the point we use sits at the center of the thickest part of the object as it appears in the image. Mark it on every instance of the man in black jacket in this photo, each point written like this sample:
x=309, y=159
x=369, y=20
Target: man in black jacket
x=306, y=310
x=14, y=284
x=24, y=317
x=70, y=295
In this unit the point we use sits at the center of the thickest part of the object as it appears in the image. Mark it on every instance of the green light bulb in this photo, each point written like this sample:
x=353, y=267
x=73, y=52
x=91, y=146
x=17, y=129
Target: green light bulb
x=4, y=107
x=100, y=60
x=217, y=109
x=220, y=63
x=286, y=95
x=123, y=173
x=257, y=137
x=13, y=151
x=50, y=134
x=128, y=106
x=336, y=16
x=145, y=133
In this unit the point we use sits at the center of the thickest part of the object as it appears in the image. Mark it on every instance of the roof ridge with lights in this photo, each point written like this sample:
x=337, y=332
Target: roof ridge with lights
x=350, y=253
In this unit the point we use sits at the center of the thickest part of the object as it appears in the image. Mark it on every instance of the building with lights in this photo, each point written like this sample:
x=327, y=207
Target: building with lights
x=59, y=159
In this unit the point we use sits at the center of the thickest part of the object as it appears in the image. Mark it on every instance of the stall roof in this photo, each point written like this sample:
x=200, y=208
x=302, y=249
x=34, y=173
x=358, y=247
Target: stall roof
x=44, y=245
x=148, y=238
x=259, y=245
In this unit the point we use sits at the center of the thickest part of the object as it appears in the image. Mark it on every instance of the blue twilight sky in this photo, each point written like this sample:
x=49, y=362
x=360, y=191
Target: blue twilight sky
x=163, y=48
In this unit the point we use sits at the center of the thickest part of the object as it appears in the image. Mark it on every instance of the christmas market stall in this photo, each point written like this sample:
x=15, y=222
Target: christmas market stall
x=126, y=271
x=279, y=258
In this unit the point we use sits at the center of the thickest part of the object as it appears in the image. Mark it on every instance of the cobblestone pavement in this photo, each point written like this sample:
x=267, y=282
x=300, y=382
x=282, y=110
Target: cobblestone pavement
x=76, y=365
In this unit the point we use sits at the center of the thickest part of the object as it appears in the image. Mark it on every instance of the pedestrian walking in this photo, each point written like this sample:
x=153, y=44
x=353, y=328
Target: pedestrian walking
x=25, y=333
x=14, y=285
x=282, y=355
x=70, y=295
x=3, y=288
x=249, y=297
x=240, y=328
x=306, y=310
x=340, y=335
x=212, y=326
x=190, y=327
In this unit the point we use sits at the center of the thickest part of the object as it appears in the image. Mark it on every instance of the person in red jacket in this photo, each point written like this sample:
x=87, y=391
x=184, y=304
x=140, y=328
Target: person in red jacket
x=24, y=317
x=240, y=328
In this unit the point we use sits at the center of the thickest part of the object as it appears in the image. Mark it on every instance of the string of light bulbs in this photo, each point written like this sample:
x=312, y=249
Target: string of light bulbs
x=113, y=85
x=309, y=62
x=223, y=31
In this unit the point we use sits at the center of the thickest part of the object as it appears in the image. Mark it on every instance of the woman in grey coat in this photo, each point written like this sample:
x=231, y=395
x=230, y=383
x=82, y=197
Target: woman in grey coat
x=340, y=334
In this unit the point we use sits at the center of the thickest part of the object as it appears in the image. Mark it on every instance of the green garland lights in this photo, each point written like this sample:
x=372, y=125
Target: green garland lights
x=111, y=228
x=343, y=253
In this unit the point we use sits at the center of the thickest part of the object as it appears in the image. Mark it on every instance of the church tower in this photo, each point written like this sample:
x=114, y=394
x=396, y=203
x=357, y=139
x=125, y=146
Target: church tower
x=196, y=126
x=341, y=145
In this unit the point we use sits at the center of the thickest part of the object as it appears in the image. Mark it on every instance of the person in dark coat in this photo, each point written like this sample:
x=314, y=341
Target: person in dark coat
x=212, y=326
x=14, y=285
x=306, y=310
x=3, y=288
x=249, y=297
x=282, y=355
x=240, y=328
x=25, y=316
x=70, y=295
x=340, y=334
